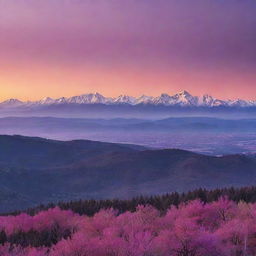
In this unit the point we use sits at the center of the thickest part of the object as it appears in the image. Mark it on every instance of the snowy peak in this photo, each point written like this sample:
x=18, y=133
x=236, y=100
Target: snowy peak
x=46, y=101
x=206, y=100
x=164, y=99
x=184, y=94
x=125, y=99
x=11, y=103
x=241, y=103
x=209, y=101
x=87, y=99
x=90, y=98
x=60, y=100
x=144, y=99
x=184, y=98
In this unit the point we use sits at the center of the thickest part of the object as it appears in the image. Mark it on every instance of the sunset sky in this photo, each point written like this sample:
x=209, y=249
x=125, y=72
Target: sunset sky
x=69, y=47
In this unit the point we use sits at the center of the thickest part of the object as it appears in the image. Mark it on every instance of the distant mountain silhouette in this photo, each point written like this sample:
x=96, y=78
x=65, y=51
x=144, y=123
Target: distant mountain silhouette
x=36, y=170
x=95, y=105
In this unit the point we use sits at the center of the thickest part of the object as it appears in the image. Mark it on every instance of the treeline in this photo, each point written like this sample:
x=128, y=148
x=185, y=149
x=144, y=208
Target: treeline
x=160, y=202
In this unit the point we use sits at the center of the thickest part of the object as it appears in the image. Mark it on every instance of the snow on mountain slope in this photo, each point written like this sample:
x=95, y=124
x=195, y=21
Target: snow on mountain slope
x=182, y=98
x=11, y=103
x=125, y=99
x=91, y=98
x=185, y=99
x=46, y=101
x=144, y=99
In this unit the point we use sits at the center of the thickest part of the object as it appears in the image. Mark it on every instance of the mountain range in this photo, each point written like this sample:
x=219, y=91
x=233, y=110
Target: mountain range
x=35, y=170
x=183, y=98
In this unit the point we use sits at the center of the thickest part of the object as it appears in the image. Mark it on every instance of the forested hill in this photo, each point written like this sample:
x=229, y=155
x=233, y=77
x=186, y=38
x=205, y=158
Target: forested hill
x=36, y=170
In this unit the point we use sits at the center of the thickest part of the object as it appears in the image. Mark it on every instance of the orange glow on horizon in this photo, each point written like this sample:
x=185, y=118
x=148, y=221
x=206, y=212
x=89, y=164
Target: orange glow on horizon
x=70, y=48
x=39, y=82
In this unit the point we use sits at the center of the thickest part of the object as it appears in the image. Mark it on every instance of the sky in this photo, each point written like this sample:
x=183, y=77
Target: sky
x=69, y=47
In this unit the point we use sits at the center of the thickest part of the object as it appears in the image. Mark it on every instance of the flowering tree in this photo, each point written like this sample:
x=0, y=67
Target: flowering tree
x=220, y=228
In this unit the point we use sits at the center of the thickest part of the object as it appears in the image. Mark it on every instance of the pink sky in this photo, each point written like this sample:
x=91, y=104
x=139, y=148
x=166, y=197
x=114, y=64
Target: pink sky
x=64, y=47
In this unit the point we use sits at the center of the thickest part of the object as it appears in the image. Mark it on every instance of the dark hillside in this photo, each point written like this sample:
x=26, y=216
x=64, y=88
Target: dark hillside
x=35, y=170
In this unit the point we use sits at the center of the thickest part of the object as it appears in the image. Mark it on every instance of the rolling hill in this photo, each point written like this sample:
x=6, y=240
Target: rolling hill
x=36, y=170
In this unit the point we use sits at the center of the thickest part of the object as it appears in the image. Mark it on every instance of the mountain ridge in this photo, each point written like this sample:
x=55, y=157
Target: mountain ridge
x=182, y=98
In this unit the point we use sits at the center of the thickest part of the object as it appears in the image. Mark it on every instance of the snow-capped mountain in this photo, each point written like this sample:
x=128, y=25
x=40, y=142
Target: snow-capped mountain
x=125, y=99
x=11, y=103
x=163, y=99
x=144, y=99
x=91, y=98
x=183, y=98
x=46, y=101
x=241, y=103
x=209, y=101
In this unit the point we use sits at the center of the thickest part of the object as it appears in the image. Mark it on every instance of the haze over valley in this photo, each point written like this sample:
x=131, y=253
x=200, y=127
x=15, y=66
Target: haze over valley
x=213, y=136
